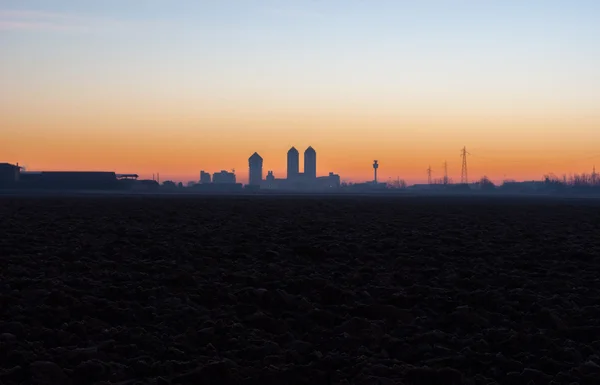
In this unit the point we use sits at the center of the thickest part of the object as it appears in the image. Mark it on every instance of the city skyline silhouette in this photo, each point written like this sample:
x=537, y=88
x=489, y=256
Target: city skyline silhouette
x=295, y=166
x=299, y=192
x=150, y=87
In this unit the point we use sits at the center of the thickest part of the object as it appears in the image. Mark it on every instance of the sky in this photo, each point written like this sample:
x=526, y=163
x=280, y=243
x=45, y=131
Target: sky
x=178, y=86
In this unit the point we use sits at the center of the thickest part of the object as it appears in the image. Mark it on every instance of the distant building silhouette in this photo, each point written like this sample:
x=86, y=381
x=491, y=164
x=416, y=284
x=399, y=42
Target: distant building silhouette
x=29, y=178
x=296, y=180
x=146, y=184
x=310, y=163
x=330, y=181
x=204, y=177
x=9, y=174
x=293, y=163
x=223, y=177
x=93, y=180
x=270, y=177
x=255, y=164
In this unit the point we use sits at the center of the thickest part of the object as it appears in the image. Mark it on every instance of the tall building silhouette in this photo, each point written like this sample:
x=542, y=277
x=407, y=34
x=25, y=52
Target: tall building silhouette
x=293, y=163
x=310, y=163
x=205, y=177
x=255, y=163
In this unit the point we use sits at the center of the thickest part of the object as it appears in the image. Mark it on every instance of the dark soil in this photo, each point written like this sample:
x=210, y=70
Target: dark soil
x=252, y=290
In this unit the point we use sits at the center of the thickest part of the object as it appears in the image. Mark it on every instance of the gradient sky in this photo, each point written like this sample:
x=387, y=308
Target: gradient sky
x=175, y=87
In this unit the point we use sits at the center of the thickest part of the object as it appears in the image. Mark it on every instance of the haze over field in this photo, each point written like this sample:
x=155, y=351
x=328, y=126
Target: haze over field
x=177, y=86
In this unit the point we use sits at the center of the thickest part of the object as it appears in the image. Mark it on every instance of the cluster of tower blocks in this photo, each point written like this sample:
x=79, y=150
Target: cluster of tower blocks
x=294, y=177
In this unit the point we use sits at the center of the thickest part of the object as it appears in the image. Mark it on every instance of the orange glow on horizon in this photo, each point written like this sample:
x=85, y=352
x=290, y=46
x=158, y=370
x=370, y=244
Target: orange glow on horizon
x=171, y=90
x=179, y=142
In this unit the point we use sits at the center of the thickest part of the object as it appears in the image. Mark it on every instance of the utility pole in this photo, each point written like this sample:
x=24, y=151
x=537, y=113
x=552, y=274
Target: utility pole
x=445, y=172
x=464, y=176
x=594, y=176
x=429, y=175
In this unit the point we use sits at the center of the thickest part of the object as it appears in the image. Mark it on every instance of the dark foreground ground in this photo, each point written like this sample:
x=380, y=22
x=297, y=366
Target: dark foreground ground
x=299, y=291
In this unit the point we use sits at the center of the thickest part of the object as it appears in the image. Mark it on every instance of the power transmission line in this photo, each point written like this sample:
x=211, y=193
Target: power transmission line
x=445, y=172
x=429, y=175
x=464, y=176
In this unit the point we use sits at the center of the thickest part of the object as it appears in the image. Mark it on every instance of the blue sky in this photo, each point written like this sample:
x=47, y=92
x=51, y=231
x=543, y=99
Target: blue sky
x=363, y=46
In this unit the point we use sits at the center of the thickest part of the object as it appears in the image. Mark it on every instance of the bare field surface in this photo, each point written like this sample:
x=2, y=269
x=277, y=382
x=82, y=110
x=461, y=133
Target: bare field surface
x=299, y=290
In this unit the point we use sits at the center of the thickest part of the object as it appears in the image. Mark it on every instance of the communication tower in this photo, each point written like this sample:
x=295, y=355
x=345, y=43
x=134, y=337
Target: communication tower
x=429, y=170
x=375, y=167
x=464, y=176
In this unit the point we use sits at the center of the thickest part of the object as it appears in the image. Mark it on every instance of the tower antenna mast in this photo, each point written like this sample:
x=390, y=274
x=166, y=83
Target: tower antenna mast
x=445, y=172
x=464, y=176
x=429, y=175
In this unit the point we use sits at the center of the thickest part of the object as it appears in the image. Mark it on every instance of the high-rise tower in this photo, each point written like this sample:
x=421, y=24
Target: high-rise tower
x=255, y=163
x=375, y=167
x=310, y=163
x=293, y=163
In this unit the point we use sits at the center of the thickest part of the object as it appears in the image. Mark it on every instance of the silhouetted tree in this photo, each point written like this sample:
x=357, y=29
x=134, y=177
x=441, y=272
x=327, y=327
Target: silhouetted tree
x=169, y=184
x=486, y=184
x=398, y=183
x=552, y=182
